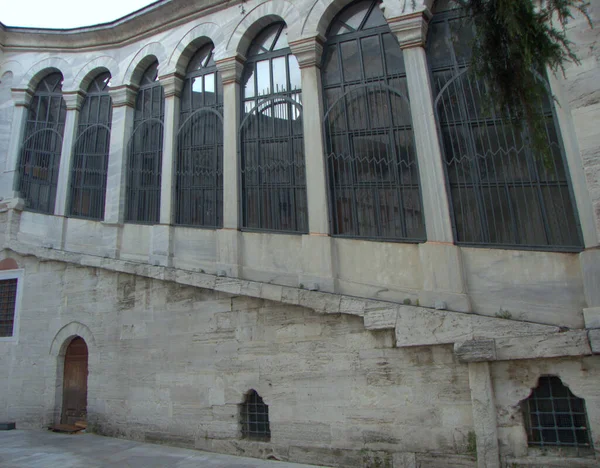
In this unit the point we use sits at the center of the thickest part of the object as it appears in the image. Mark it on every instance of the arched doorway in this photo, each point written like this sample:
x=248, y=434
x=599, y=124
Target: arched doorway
x=74, y=407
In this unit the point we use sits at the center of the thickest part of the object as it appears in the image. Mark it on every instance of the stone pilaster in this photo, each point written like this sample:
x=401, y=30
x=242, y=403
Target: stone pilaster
x=123, y=101
x=74, y=102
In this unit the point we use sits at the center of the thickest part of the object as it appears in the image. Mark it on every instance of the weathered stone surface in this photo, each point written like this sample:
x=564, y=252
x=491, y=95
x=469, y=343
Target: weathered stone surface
x=591, y=316
x=475, y=351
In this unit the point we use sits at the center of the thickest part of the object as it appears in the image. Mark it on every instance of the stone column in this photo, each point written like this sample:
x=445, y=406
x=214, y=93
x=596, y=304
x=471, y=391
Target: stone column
x=74, y=102
x=123, y=101
x=21, y=99
x=317, y=263
x=444, y=285
x=228, y=238
x=484, y=415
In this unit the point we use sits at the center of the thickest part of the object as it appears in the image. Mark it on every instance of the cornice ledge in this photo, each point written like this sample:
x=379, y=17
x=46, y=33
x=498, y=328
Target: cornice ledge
x=74, y=99
x=411, y=29
x=308, y=51
x=231, y=68
x=172, y=84
x=21, y=96
x=123, y=95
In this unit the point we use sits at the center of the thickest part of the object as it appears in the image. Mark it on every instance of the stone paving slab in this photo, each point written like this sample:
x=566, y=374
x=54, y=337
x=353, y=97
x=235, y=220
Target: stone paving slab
x=44, y=449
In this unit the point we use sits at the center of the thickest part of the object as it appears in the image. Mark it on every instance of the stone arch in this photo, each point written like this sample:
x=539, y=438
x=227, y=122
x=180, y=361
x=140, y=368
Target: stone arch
x=260, y=17
x=142, y=59
x=31, y=79
x=191, y=42
x=65, y=334
x=14, y=67
x=91, y=70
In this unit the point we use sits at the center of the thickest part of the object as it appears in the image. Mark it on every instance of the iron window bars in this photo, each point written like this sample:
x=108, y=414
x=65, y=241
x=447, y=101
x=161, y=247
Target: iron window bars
x=8, y=298
x=199, y=169
x=273, y=171
x=42, y=145
x=90, y=154
x=554, y=416
x=501, y=193
x=371, y=160
x=255, y=417
x=145, y=152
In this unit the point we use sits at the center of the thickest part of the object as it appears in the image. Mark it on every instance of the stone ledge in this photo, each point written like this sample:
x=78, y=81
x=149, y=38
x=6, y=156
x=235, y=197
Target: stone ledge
x=413, y=325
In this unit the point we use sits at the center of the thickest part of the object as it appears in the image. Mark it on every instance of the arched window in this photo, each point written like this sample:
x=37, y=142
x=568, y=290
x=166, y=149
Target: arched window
x=199, y=171
x=145, y=151
x=255, y=417
x=42, y=145
x=554, y=416
x=371, y=162
x=502, y=193
x=90, y=156
x=272, y=142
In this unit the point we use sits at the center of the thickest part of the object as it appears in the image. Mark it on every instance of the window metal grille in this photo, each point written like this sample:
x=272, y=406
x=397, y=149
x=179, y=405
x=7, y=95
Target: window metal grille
x=145, y=152
x=371, y=161
x=8, y=298
x=199, y=170
x=90, y=155
x=255, y=417
x=501, y=192
x=42, y=145
x=272, y=137
x=554, y=416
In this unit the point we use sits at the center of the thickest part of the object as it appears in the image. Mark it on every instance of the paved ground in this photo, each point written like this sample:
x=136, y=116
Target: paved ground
x=45, y=449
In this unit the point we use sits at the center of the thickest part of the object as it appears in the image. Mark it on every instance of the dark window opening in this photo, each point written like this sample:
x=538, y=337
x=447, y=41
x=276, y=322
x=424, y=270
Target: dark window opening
x=8, y=298
x=255, y=418
x=554, y=416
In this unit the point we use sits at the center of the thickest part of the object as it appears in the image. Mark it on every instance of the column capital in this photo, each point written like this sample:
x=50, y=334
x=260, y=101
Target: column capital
x=123, y=95
x=172, y=84
x=308, y=51
x=411, y=29
x=231, y=68
x=74, y=99
x=21, y=97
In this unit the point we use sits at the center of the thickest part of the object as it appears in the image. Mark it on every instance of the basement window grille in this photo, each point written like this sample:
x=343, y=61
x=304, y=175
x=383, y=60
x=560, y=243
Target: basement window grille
x=255, y=417
x=554, y=416
x=8, y=298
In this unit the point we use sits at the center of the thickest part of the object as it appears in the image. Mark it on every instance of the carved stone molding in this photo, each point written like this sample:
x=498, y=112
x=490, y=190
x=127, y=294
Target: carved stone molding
x=74, y=100
x=172, y=84
x=308, y=52
x=123, y=95
x=231, y=69
x=21, y=97
x=411, y=29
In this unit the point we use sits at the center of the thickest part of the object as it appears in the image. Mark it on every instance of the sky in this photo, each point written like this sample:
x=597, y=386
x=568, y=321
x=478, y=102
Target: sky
x=65, y=13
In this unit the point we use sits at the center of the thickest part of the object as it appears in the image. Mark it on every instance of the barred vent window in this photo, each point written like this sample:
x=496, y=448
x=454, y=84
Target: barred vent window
x=502, y=193
x=272, y=141
x=145, y=152
x=42, y=145
x=8, y=297
x=90, y=156
x=199, y=171
x=371, y=160
x=554, y=416
x=255, y=417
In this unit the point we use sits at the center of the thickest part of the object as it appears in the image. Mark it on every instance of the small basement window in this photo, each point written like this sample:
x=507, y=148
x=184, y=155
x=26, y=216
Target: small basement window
x=8, y=300
x=255, y=417
x=554, y=416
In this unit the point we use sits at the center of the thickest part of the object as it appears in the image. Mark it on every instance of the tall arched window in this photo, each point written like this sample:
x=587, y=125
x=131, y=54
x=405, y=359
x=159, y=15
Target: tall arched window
x=90, y=156
x=272, y=142
x=145, y=151
x=371, y=162
x=199, y=171
x=502, y=193
x=42, y=145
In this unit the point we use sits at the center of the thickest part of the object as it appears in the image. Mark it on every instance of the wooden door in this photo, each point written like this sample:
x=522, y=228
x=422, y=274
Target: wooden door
x=75, y=382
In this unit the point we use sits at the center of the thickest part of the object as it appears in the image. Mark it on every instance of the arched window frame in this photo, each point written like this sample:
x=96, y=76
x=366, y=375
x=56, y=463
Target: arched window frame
x=272, y=166
x=144, y=168
x=374, y=186
x=521, y=203
x=90, y=153
x=42, y=145
x=199, y=166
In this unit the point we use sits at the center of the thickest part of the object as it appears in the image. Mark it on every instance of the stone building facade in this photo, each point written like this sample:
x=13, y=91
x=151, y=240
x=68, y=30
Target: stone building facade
x=333, y=244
